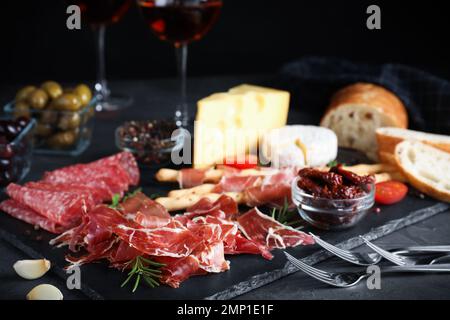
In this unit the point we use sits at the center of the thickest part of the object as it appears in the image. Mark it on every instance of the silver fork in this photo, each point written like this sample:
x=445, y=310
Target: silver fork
x=394, y=258
x=367, y=259
x=361, y=259
x=349, y=279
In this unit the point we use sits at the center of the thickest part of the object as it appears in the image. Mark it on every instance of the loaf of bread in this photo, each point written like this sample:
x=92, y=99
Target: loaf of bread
x=426, y=168
x=356, y=111
x=388, y=138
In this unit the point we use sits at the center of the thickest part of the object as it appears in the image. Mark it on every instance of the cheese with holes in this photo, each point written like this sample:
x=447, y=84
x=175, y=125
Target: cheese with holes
x=230, y=124
x=299, y=146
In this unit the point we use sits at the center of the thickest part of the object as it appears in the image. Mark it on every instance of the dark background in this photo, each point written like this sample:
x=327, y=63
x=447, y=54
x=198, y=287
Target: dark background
x=251, y=36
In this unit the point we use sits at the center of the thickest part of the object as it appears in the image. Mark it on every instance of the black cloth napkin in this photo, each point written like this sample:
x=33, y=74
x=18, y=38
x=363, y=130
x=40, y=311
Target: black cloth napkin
x=313, y=80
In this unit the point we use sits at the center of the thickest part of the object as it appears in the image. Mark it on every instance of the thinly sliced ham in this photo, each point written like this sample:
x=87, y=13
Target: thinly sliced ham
x=275, y=194
x=211, y=257
x=237, y=183
x=147, y=213
x=242, y=245
x=164, y=241
x=176, y=271
x=188, y=178
x=24, y=213
x=224, y=207
x=268, y=232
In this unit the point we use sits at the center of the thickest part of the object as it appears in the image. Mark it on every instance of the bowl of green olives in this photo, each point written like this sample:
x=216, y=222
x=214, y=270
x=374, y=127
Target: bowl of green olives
x=64, y=116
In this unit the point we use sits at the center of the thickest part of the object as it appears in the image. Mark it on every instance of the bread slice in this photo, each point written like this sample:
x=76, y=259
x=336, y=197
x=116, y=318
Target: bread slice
x=427, y=168
x=389, y=137
x=356, y=111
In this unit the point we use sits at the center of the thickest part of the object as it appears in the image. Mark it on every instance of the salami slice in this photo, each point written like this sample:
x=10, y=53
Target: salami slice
x=110, y=177
x=24, y=213
x=126, y=161
x=61, y=207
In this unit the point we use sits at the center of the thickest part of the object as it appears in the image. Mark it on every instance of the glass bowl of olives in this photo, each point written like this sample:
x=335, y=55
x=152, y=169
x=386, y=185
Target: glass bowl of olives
x=16, y=148
x=64, y=116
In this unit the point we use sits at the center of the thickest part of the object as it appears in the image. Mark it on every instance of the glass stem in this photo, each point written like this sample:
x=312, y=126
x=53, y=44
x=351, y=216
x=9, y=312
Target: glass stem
x=181, y=113
x=101, y=87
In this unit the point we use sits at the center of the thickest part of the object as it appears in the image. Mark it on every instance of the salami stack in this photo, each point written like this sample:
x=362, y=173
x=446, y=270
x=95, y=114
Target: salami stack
x=56, y=203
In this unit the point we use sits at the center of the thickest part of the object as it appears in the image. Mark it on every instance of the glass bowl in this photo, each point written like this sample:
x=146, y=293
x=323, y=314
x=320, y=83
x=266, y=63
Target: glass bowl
x=152, y=149
x=15, y=156
x=61, y=132
x=331, y=214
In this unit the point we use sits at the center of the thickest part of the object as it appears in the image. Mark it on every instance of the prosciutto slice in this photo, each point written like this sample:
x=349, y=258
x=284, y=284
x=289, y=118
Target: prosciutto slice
x=268, y=232
x=147, y=213
x=164, y=241
x=189, y=178
x=224, y=207
x=237, y=183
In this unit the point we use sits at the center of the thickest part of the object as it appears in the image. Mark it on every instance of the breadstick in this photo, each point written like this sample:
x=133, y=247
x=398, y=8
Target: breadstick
x=181, y=203
x=170, y=175
x=211, y=175
x=365, y=169
x=201, y=189
x=388, y=176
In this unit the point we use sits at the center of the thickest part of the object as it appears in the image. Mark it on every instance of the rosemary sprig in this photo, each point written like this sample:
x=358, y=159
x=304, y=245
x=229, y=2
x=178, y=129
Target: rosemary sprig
x=143, y=269
x=115, y=201
x=285, y=216
x=334, y=163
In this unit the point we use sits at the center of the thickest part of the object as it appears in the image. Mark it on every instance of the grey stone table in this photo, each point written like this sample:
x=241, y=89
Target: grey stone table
x=154, y=99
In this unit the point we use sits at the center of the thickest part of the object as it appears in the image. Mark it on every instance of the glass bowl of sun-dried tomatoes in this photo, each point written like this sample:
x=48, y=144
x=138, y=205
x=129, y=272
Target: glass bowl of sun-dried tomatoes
x=334, y=199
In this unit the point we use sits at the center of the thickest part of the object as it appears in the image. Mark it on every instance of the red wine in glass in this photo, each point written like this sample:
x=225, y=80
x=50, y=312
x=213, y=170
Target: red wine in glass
x=180, y=22
x=102, y=12
x=98, y=14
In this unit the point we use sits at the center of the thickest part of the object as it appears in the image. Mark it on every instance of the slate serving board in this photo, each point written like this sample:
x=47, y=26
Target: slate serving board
x=247, y=271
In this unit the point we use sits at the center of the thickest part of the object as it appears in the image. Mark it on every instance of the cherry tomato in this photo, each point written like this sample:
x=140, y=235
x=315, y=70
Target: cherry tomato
x=390, y=192
x=251, y=161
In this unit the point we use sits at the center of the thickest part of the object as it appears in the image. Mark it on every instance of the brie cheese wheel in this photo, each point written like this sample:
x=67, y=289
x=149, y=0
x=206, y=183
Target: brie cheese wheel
x=299, y=146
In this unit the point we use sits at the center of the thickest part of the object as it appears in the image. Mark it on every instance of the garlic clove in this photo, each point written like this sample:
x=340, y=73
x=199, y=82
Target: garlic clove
x=45, y=292
x=31, y=269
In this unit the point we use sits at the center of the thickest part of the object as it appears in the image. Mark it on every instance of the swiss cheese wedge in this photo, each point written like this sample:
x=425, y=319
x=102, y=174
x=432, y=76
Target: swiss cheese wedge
x=230, y=124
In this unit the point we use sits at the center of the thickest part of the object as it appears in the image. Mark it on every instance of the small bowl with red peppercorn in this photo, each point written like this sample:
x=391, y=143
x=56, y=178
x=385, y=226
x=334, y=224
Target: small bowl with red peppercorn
x=16, y=148
x=334, y=199
x=151, y=141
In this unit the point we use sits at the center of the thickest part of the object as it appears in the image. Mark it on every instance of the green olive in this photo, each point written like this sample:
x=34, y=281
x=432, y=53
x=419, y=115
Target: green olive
x=23, y=93
x=21, y=109
x=49, y=116
x=69, y=120
x=53, y=89
x=62, y=139
x=38, y=99
x=43, y=130
x=68, y=102
x=84, y=93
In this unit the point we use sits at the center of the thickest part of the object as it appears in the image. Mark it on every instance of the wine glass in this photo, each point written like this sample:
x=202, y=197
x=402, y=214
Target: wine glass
x=99, y=14
x=180, y=22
